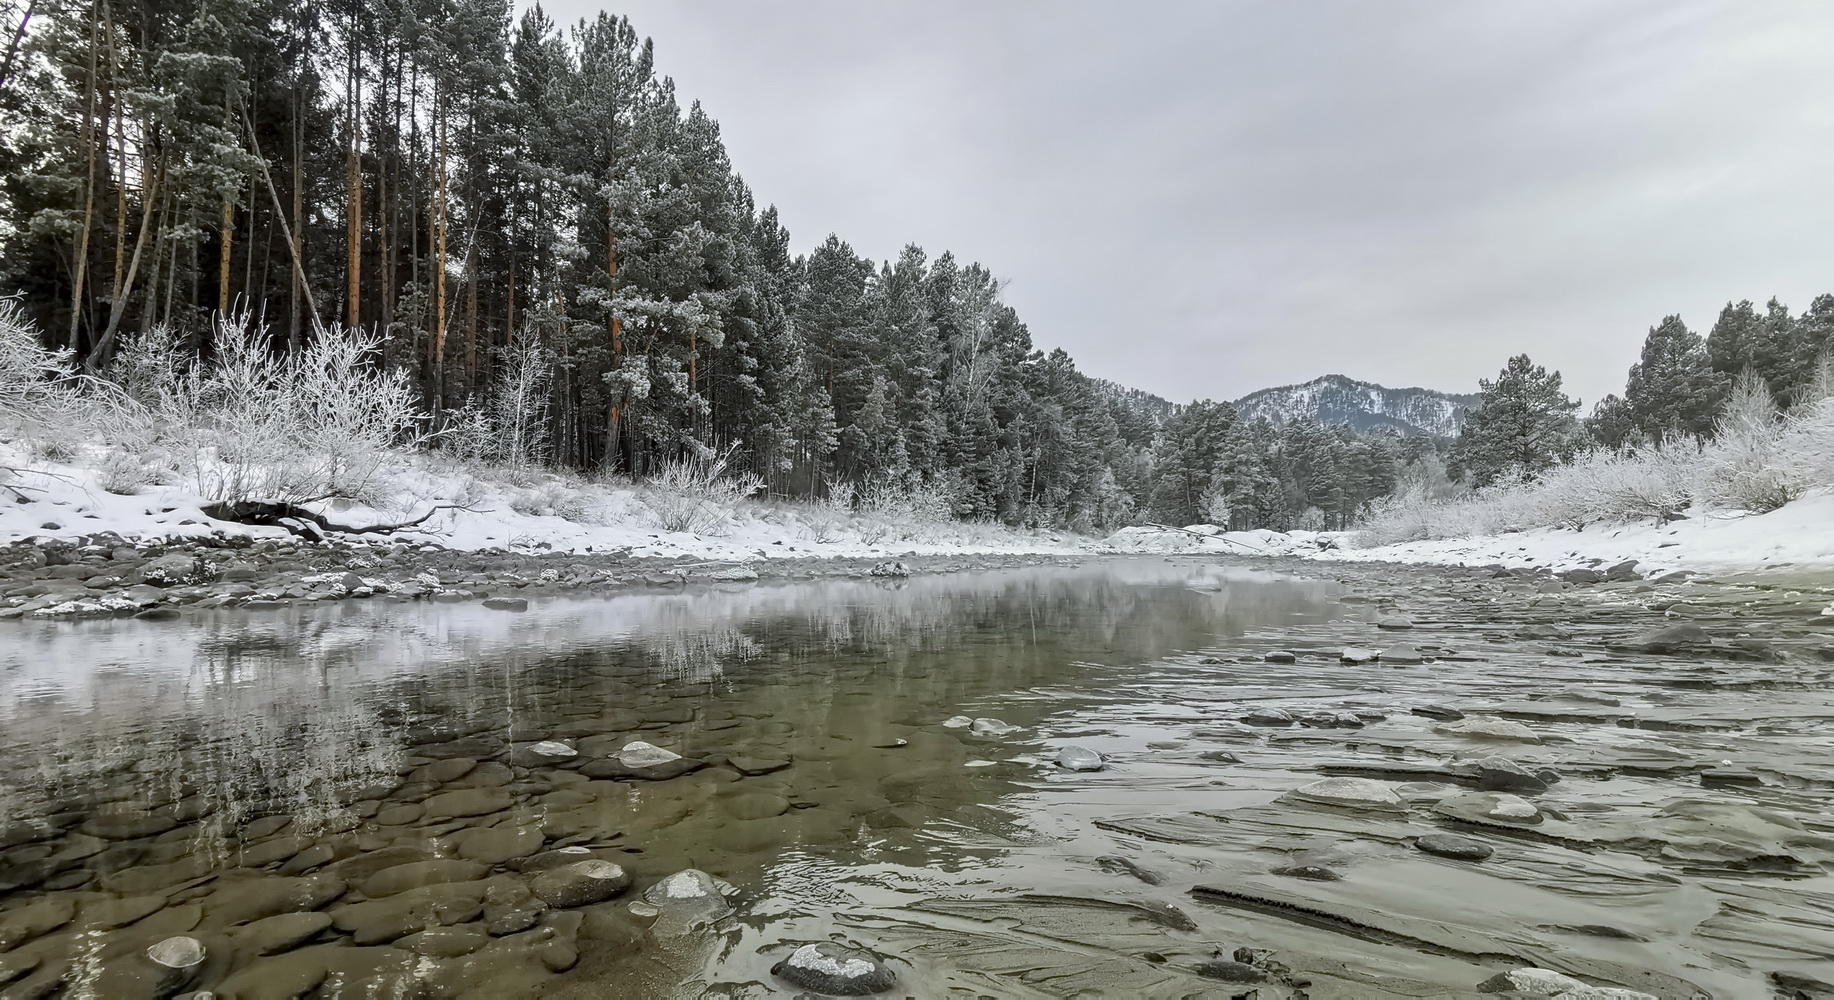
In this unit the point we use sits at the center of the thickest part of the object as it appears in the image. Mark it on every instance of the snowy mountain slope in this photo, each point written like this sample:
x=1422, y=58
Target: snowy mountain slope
x=1336, y=399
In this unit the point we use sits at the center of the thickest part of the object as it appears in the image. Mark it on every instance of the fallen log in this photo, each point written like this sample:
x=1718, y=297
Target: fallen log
x=303, y=522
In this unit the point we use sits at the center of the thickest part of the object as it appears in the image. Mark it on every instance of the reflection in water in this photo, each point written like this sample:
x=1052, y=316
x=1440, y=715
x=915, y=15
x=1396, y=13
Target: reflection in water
x=181, y=771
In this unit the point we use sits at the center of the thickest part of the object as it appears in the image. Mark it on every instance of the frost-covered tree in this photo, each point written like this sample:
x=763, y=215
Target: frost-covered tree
x=1673, y=390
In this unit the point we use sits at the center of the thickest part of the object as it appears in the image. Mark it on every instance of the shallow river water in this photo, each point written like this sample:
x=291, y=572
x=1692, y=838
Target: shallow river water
x=347, y=799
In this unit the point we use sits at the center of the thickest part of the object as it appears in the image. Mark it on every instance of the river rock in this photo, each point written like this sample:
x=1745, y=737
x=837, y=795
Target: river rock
x=1356, y=654
x=1582, y=575
x=415, y=874
x=991, y=728
x=1500, y=774
x=1681, y=637
x=580, y=883
x=957, y=722
x=1269, y=717
x=1447, y=845
x=546, y=753
x=1280, y=656
x=41, y=916
x=383, y=920
x=241, y=902
x=443, y=942
x=1607, y=993
x=175, y=569
x=1489, y=807
x=1395, y=622
x=273, y=935
x=467, y=802
x=1080, y=758
x=506, y=603
x=1311, y=873
x=828, y=968
x=1490, y=729
x=641, y=754
x=1544, y=982
x=1444, y=713
x=755, y=805
x=552, y=859
x=754, y=766
x=179, y=952
x=494, y=845
x=1401, y=655
x=1230, y=971
x=1349, y=793
x=127, y=821
x=690, y=894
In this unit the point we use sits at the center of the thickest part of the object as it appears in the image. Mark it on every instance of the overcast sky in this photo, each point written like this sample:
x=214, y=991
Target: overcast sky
x=1207, y=198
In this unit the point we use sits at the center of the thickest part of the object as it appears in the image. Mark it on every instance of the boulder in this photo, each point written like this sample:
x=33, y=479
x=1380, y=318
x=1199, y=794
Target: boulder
x=466, y=802
x=1269, y=717
x=1280, y=656
x=1500, y=774
x=580, y=883
x=506, y=604
x=273, y=935
x=828, y=968
x=1489, y=807
x=253, y=899
x=1356, y=654
x=1395, y=622
x=1080, y=758
x=494, y=845
x=1490, y=729
x=1401, y=655
x=1349, y=793
x=415, y=874
x=1623, y=572
x=990, y=728
x=1582, y=575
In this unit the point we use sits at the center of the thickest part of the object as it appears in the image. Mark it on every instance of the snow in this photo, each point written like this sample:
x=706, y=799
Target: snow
x=546, y=513
x=1799, y=534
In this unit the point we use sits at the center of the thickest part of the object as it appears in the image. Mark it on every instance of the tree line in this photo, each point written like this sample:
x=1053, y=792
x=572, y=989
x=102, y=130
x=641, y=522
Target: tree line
x=1676, y=392
x=476, y=188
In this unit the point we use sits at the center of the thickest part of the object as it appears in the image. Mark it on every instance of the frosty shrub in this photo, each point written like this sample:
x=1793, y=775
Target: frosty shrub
x=559, y=497
x=507, y=427
x=38, y=387
x=1746, y=467
x=252, y=424
x=698, y=493
x=905, y=507
x=828, y=514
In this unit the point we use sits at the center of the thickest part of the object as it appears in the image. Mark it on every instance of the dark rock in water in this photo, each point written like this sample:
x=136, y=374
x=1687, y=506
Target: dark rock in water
x=1682, y=637
x=1582, y=575
x=1311, y=873
x=1623, y=572
x=413, y=875
x=754, y=766
x=1720, y=777
x=545, y=753
x=506, y=604
x=552, y=859
x=1115, y=864
x=1500, y=774
x=443, y=942
x=1444, y=713
x=273, y=935
x=1219, y=756
x=825, y=967
x=1280, y=656
x=1268, y=717
x=158, y=615
x=1796, y=986
x=467, y=802
x=1447, y=845
x=250, y=900
x=493, y=845
x=580, y=883
x=1231, y=972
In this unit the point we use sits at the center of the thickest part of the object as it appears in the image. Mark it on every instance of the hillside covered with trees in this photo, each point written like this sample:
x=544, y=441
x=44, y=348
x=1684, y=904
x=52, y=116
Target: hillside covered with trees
x=553, y=250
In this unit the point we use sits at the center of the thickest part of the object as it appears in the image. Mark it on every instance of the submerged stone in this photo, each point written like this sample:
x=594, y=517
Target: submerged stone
x=1546, y=982
x=1080, y=758
x=1231, y=972
x=1447, y=845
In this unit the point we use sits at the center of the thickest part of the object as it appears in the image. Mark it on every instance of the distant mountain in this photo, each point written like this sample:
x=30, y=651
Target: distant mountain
x=1335, y=399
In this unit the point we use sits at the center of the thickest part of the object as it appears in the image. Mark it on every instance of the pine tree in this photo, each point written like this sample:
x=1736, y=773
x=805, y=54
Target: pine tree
x=1523, y=425
x=1673, y=390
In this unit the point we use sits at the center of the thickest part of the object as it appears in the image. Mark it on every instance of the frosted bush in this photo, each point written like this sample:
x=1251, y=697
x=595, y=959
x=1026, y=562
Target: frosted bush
x=1748, y=465
x=905, y=507
x=826, y=516
x=698, y=493
x=39, y=388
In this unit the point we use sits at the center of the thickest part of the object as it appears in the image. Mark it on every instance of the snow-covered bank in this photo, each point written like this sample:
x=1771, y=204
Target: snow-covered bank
x=534, y=512
x=1798, y=535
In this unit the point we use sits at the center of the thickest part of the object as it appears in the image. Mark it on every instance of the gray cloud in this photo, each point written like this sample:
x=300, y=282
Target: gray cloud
x=1204, y=199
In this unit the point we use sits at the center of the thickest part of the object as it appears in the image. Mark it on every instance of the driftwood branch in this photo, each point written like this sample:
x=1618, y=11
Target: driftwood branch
x=306, y=523
x=1219, y=536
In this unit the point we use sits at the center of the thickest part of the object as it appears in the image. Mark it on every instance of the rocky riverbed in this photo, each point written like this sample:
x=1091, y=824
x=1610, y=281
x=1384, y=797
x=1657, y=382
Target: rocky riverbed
x=1130, y=778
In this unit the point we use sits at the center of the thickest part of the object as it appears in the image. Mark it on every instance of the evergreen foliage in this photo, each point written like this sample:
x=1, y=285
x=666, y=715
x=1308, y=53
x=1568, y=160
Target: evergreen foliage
x=1523, y=425
x=552, y=252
